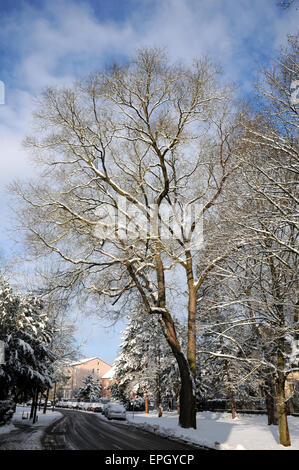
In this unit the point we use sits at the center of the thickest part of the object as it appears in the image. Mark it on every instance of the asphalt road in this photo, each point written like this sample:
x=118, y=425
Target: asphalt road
x=85, y=431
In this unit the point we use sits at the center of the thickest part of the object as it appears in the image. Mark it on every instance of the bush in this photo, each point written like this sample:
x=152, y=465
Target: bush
x=7, y=409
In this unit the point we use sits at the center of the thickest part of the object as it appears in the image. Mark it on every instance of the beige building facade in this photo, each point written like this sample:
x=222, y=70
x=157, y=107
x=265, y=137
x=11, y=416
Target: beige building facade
x=75, y=373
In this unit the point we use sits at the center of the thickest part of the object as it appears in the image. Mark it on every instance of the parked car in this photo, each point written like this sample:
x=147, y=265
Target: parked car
x=104, y=407
x=97, y=407
x=84, y=405
x=115, y=411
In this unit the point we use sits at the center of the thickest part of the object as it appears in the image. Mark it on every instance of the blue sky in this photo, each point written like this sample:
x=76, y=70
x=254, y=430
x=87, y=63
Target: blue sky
x=53, y=42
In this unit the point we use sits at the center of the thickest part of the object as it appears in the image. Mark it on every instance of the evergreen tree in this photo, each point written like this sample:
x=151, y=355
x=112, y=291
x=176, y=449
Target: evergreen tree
x=26, y=333
x=91, y=389
x=146, y=366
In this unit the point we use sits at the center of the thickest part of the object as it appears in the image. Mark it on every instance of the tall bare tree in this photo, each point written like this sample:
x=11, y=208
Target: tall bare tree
x=274, y=167
x=259, y=282
x=125, y=156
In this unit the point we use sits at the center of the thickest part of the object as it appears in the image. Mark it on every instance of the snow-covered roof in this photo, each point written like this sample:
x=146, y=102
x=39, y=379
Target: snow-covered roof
x=110, y=374
x=82, y=361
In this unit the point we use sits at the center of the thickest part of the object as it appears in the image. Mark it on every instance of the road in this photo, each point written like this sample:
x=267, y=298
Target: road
x=77, y=430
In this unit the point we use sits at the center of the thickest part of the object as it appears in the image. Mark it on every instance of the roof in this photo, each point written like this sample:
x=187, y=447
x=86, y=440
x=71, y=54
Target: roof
x=110, y=374
x=82, y=361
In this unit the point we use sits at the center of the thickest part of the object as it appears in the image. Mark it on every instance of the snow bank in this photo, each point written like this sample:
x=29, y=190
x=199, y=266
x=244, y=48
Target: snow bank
x=7, y=428
x=21, y=434
x=219, y=431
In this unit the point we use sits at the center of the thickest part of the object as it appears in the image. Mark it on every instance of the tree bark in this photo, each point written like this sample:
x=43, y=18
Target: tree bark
x=54, y=396
x=40, y=400
x=46, y=401
x=178, y=405
x=191, y=348
x=281, y=374
x=32, y=404
x=282, y=416
x=158, y=383
x=187, y=398
x=270, y=399
x=231, y=393
x=34, y=408
x=187, y=416
x=146, y=407
x=281, y=403
x=270, y=405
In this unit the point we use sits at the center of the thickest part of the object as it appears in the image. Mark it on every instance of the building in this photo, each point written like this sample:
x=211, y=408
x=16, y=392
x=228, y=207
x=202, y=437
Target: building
x=292, y=391
x=107, y=381
x=75, y=372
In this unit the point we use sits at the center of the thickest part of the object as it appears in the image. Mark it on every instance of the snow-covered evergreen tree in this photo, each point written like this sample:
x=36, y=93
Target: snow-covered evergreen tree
x=91, y=389
x=26, y=333
x=145, y=365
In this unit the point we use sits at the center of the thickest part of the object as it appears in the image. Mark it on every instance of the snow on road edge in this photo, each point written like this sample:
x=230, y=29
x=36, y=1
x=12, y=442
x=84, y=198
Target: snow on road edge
x=28, y=438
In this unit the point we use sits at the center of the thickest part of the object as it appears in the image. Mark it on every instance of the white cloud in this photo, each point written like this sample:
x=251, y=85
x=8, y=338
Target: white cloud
x=65, y=40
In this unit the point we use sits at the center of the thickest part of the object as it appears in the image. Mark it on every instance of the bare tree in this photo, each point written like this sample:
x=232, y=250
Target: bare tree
x=136, y=141
x=259, y=282
x=285, y=4
x=274, y=136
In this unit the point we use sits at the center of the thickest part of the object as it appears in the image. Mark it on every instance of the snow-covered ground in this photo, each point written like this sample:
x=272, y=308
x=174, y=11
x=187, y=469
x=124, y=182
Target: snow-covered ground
x=214, y=430
x=219, y=431
x=21, y=434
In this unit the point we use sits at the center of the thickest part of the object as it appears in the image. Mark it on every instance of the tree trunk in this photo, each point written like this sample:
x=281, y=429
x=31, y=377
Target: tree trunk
x=271, y=405
x=178, y=404
x=46, y=401
x=35, y=405
x=54, y=396
x=176, y=390
x=191, y=350
x=271, y=410
x=32, y=404
x=40, y=400
x=231, y=393
x=282, y=416
x=187, y=417
x=146, y=407
x=187, y=412
x=187, y=398
x=281, y=403
x=159, y=396
x=158, y=383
